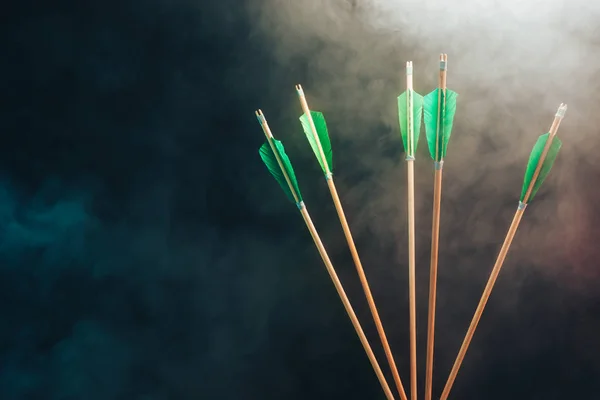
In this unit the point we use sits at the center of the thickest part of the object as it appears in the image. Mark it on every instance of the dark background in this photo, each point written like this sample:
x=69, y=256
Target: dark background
x=145, y=252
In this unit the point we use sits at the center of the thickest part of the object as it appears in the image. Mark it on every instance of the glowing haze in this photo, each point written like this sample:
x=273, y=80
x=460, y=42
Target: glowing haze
x=512, y=63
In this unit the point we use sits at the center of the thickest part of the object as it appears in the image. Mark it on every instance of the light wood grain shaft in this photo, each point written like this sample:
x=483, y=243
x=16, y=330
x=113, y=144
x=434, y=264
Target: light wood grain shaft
x=306, y=111
x=435, y=229
x=346, y=303
x=412, y=279
x=483, y=301
x=538, y=168
x=435, y=237
x=367, y=290
x=410, y=134
x=502, y=256
x=441, y=96
x=443, y=72
x=270, y=138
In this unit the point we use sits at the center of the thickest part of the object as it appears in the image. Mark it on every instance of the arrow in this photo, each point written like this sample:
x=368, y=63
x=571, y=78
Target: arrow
x=273, y=155
x=410, y=110
x=439, y=108
x=315, y=128
x=540, y=162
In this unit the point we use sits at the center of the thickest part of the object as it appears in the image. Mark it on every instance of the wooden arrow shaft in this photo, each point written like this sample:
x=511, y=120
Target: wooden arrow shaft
x=311, y=122
x=412, y=279
x=435, y=239
x=553, y=129
x=483, y=301
x=367, y=290
x=346, y=303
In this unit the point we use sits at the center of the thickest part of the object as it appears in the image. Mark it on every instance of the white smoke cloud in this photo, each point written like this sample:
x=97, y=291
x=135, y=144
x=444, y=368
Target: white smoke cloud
x=512, y=63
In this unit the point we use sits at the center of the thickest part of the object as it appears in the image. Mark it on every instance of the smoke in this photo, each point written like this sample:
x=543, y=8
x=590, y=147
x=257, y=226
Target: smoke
x=164, y=263
x=98, y=309
x=511, y=62
x=134, y=273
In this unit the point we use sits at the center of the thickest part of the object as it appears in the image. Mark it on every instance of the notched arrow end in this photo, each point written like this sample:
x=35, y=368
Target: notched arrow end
x=443, y=62
x=260, y=116
x=562, y=109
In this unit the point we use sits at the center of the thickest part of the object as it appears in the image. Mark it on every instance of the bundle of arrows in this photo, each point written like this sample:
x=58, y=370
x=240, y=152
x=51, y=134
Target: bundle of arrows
x=436, y=110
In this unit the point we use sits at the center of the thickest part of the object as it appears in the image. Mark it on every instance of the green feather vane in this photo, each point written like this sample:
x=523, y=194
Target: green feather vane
x=417, y=103
x=321, y=127
x=270, y=160
x=534, y=159
x=438, y=140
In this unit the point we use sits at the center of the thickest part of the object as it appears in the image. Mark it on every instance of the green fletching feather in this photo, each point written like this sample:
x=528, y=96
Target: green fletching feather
x=270, y=160
x=403, y=117
x=534, y=158
x=321, y=126
x=439, y=140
